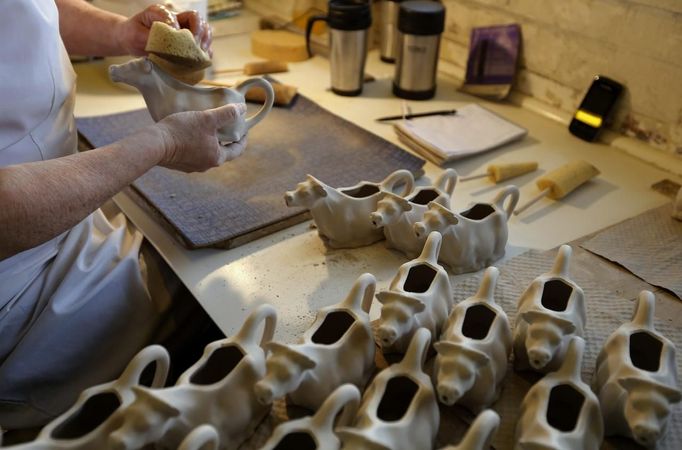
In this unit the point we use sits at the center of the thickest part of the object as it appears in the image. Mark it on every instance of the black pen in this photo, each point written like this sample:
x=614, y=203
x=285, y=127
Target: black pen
x=444, y=112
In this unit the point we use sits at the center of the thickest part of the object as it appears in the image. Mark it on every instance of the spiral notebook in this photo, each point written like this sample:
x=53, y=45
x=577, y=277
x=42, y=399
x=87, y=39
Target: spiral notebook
x=473, y=129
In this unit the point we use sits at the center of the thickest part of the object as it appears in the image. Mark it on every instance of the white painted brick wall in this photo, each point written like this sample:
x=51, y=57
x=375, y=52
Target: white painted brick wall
x=567, y=42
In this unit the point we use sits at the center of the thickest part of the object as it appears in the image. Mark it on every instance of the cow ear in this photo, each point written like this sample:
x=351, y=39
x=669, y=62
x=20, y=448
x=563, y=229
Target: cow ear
x=403, y=204
x=317, y=186
x=448, y=215
x=147, y=66
x=275, y=348
x=566, y=326
x=415, y=304
x=478, y=357
x=671, y=393
x=302, y=360
x=445, y=348
x=157, y=403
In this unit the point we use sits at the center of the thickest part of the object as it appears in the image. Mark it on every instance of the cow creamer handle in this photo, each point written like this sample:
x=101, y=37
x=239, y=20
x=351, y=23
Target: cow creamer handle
x=244, y=86
x=345, y=400
x=361, y=294
x=415, y=357
x=203, y=437
x=248, y=331
x=511, y=192
x=562, y=261
x=431, y=249
x=447, y=181
x=153, y=353
x=395, y=179
x=643, y=314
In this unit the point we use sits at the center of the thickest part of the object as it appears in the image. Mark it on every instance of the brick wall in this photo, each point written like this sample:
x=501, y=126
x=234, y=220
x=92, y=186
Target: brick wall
x=567, y=42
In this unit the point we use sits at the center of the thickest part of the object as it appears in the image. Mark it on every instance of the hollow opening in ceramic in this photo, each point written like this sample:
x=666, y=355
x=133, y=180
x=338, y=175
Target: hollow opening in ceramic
x=555, y=295
x=419, y=278
x=478, y=212
x=362, y=191
x=424, y=197
x=219, y=365
x=147, y=374
x=298, y=440
x=397, y=398
x=477, y=322
x=563, y=408
x=645, y=351
x=333, y=327
x=89, y=416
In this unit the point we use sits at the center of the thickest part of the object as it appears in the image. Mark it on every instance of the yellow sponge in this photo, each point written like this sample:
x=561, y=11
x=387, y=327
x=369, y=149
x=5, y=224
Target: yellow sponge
x=189, y=76
x=176, y=46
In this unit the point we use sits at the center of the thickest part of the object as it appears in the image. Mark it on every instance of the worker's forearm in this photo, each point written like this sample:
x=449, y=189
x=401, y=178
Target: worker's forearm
x=87, y=30
x=41, y=200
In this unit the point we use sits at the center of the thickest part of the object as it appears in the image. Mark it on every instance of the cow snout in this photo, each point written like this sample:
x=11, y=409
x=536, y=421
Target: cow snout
x=420, y=229
x=118, y=441
x=447, y=394
x=264, y=393
x=538, y=358
x=646, y=434
x=289, y=199
x=377, y=220
x=387, y=336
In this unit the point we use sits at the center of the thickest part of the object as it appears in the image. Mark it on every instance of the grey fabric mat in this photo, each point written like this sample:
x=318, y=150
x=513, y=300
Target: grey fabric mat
x=648, y=245
x=605, y=313
x=243, y=199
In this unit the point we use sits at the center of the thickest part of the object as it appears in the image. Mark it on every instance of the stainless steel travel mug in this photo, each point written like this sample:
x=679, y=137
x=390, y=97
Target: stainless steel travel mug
x=349, y=23
x=420, y=24
x=389, y=31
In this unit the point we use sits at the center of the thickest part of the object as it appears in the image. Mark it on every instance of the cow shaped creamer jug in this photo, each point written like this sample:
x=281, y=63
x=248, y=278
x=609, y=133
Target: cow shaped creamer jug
x=203, y=437
x=419, y=295
x=399, y=410
x=480, y=434
x=316, y=432
x=217, y=389
x=338, y=348
x=636, y=377
x=474, y=350
x=88, y=423
x=397, y=215
x=472, y=239
x=342, y=216
x=165, y=95
x=560, y=411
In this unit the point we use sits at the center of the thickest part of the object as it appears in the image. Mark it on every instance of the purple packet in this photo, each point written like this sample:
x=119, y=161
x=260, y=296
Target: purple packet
x=491, y=66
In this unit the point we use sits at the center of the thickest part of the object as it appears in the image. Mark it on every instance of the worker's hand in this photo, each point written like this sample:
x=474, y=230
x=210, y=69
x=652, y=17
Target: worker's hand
x=190, y=141
x=132, y=33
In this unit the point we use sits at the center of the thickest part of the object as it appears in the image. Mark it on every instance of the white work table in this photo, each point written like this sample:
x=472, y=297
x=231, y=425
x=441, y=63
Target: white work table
x=293, y=271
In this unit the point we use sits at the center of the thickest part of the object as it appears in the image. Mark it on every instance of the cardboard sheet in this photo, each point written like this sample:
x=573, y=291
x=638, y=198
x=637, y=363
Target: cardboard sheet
x=649, y=246
x=244, y=199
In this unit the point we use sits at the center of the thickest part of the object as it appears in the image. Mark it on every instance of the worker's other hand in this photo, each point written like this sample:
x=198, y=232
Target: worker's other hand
x=190, y=141
x=132, y=33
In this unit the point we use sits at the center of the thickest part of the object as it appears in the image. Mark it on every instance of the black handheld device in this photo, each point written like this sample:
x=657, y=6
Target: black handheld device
x=595, y=108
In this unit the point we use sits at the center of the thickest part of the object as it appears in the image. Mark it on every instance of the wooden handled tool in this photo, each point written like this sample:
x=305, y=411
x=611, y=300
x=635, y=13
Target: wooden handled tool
x=501, y=172
x=561, y=181
x=284, y=93
x=257, y=68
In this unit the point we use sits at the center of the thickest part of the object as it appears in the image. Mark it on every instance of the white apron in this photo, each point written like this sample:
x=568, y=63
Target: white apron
x=74, y=310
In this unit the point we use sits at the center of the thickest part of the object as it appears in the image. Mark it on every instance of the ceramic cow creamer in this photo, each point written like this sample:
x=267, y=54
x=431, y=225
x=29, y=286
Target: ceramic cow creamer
x=420, y=295
x=164, y=95
x=472, y=239
x=399, y=410
x=560, y=411
x=337, y=349
x=474, y=350
x=550, y=311
x=636, y=377
x=342, y=215
x=397, y=215
x=217, y=389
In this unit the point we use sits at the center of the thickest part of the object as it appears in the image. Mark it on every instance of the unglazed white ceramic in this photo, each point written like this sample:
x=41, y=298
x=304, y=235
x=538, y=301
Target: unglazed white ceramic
x=474, y=350
x=165, y=95
x=480, y=434
x=338, y=348
x=560, y=411
x=399, y=410
x=88, y=423
x=203, y=437
x=397, y=215
x=550, y=311
x=419, y=295
x=317, y=432
x=217, y=389
x=472, y=239
x=342, y=216
x=636, y=377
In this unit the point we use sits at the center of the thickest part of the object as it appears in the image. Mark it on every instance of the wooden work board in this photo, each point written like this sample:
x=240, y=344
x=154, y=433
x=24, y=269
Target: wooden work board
x=242, y=200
